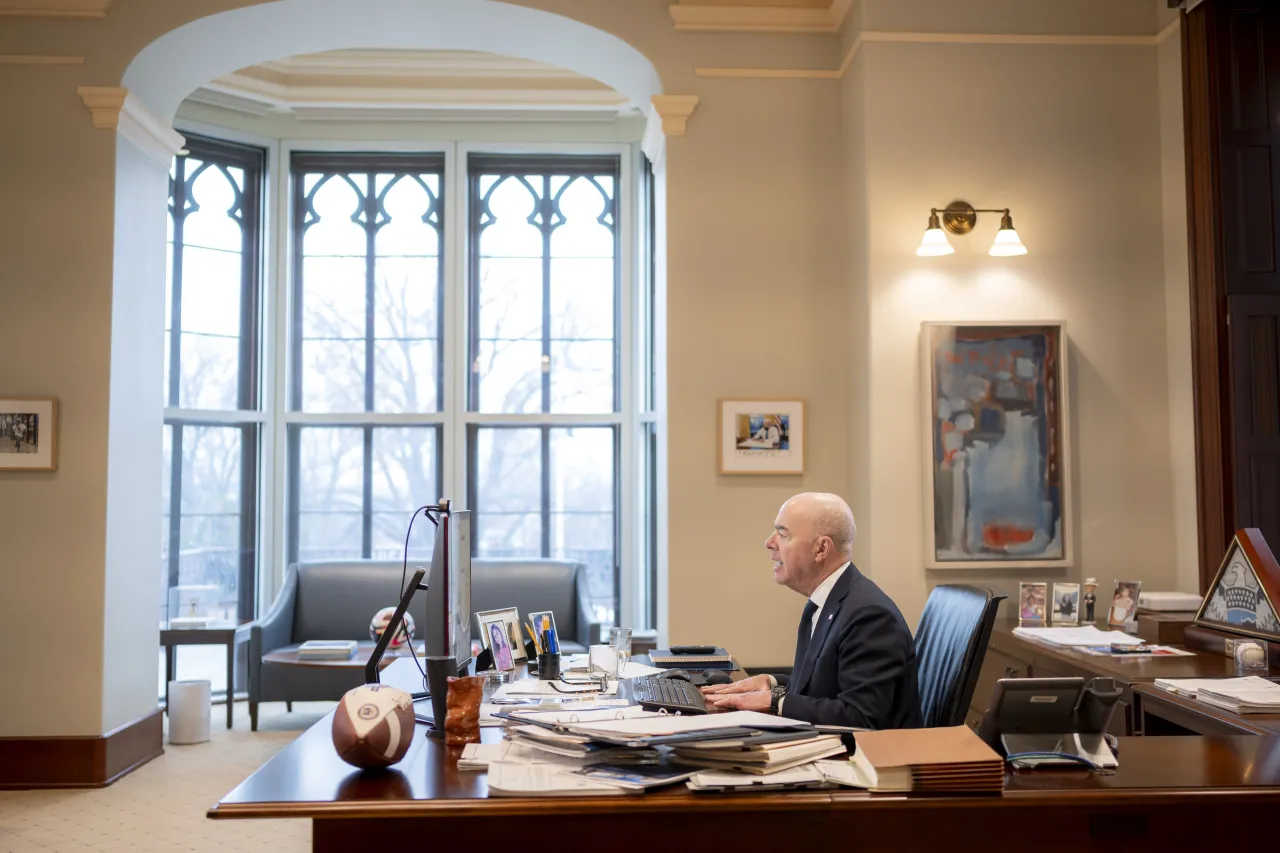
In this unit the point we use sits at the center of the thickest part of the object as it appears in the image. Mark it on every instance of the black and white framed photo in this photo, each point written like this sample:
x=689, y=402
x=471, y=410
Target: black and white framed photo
x=28, y=434
x=509, y=617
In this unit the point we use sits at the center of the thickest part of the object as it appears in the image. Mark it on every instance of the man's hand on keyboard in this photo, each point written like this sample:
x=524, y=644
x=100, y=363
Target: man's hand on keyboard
x=746, y=685
x=757, y=700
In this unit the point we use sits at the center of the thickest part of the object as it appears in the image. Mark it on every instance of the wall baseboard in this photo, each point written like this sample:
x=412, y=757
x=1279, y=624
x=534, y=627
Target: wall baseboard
x=91, y=761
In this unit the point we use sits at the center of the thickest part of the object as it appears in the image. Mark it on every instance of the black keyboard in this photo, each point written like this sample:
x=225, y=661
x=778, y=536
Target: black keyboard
x=654, y=692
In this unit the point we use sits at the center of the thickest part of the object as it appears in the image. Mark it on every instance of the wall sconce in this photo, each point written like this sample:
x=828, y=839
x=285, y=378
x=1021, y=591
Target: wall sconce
x=959, y=217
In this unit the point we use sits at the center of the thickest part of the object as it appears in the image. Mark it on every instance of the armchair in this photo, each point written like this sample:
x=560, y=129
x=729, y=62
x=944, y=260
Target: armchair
x=335, y=600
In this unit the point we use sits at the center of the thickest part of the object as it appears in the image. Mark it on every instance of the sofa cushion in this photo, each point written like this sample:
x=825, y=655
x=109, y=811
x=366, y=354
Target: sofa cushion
x=337, y=598
x=528, y=585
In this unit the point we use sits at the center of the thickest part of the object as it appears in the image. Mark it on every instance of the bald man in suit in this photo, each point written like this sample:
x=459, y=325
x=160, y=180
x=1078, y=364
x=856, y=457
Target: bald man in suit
x=855, y=661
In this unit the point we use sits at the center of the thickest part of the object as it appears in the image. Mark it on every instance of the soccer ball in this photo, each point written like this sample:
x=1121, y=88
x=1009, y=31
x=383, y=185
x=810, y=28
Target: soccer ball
x=379, y=626
x=373, y=726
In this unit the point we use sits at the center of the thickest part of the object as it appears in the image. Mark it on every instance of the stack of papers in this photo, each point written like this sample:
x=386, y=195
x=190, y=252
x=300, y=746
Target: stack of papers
x=818, y=774
x=518, y=779
x=1086, y=635
x=939, y=760
x=1250, y=695
x=533, y=688
x=763, y=755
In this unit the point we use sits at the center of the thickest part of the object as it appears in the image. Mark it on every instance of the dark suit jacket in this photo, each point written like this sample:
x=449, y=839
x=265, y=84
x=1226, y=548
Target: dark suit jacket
x=860, y=669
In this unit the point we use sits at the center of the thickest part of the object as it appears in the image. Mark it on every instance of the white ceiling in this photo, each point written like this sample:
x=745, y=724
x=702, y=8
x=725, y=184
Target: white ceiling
x=412, y=84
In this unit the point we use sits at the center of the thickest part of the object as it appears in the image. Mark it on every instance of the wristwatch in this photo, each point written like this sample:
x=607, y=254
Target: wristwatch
x=775, y=698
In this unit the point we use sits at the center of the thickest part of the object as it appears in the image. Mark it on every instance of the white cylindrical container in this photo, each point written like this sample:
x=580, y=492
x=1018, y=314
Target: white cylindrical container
x=189, y=710
x=603, y=658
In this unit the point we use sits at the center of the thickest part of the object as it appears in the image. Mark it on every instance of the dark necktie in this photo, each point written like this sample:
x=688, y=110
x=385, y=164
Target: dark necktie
x=803, y=635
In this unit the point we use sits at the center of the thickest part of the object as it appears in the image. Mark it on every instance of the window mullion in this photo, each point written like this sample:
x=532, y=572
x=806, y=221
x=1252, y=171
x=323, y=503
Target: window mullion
x=175, y=306
x=548, y=216
x=366, y=520
x=546, y=491
x=175, y=504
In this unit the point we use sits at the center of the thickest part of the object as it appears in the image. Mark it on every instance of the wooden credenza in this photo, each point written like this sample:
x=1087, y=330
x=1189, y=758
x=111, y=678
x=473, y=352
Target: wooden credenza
x=1011, y=656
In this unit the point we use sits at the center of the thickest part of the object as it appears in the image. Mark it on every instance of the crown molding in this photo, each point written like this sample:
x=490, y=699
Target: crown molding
x=760, y=19
x=54, y=8
x=446, y=113
x=113, y=108
x=37, y=59
x=414, y=63
x=674, y=110
x=937, y=38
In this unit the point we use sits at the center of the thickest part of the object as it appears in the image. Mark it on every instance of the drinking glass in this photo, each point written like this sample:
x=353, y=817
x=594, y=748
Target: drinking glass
x=620, y=642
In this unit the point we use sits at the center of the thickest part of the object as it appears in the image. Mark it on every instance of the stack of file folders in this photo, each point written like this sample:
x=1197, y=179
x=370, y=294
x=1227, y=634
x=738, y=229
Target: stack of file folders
x=942, y=760
x=761, y=754
x=1249, y=695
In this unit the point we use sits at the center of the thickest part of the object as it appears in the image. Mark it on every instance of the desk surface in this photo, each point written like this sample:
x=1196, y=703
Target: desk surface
x=1201, y=717
x=1126, y=669
x=307, y=779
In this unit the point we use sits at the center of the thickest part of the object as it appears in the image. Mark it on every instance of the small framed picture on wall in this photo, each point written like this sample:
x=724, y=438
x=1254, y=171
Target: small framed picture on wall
x=28, y=434
x=761, y=436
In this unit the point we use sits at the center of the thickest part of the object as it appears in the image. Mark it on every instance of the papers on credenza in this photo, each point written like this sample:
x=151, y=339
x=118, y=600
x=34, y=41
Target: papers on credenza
x=1086, y=635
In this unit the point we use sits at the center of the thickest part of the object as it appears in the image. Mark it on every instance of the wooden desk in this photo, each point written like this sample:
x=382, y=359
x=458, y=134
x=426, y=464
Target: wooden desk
x=1011, y=656
x=1165, y=713
x=1176, y=791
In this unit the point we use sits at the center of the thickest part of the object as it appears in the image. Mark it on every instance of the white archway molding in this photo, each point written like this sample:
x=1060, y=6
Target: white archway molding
x=172, y=66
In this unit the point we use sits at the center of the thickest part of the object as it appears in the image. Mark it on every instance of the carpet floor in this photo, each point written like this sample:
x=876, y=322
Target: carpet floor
x=161, y=806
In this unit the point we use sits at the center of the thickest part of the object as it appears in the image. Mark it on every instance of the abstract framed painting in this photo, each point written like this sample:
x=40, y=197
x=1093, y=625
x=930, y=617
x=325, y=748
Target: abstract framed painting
x=997, y=478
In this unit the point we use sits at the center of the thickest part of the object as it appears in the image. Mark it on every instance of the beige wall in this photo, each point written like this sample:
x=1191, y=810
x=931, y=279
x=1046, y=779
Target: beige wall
x=1069, y=138
x=793, y=206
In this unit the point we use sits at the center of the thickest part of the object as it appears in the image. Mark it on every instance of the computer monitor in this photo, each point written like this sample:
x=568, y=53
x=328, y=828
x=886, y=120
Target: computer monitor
x=448, y=631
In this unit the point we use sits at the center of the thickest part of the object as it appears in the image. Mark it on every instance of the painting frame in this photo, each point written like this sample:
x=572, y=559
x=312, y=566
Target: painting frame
x=45, y=455
x=510, y=617
x=734, y=457
x=1249, y=546
x=1055, y=332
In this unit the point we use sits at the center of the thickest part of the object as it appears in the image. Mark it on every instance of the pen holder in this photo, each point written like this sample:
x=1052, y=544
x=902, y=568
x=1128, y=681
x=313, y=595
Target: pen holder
x=548, y=667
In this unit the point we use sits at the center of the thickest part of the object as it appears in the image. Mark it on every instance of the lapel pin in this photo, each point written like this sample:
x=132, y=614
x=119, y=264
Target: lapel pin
x=830, y=616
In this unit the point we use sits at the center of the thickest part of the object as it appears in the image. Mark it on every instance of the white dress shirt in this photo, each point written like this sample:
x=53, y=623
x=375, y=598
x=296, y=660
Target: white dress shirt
x=819, y=598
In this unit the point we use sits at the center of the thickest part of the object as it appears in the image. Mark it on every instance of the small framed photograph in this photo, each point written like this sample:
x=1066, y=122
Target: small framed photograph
x=28, y=434
x=1124, y=602
x=1066, y=603
x=510, y=618
x=761, y=436
x=543, y=620
x=1031, y=601
x=499, y=644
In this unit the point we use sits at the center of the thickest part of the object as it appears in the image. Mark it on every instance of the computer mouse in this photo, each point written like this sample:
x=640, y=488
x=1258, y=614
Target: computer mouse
x=717, y=678
x=679, y=674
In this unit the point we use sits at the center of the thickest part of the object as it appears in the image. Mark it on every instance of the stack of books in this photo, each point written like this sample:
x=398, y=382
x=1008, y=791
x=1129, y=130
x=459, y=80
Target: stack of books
x=326, y=650
x=945, y=760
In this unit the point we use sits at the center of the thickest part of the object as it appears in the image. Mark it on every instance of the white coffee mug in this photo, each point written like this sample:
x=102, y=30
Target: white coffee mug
x=603, y=657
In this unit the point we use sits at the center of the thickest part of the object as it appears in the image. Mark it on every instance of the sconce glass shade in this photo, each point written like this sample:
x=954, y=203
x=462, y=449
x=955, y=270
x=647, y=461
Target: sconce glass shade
x=935, y=240
x=1007, y=242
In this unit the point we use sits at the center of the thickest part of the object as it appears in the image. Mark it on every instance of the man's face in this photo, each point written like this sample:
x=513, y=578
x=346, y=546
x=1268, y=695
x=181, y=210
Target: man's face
x=791, y=547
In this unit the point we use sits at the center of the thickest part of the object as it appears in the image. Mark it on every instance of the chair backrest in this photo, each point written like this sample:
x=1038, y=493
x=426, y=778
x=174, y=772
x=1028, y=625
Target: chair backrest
x=951, y=641
x=529, y=585
x=336, y=599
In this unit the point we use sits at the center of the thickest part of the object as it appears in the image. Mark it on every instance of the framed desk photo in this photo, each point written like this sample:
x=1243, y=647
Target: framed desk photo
x=997, y=492
x=761, y=436
x=28, y=434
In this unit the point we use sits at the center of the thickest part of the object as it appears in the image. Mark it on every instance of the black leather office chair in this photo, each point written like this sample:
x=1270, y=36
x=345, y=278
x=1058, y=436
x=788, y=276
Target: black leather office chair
x=951, y=641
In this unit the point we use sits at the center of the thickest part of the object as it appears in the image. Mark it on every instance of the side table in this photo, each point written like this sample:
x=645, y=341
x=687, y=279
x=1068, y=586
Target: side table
x=221, y=634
